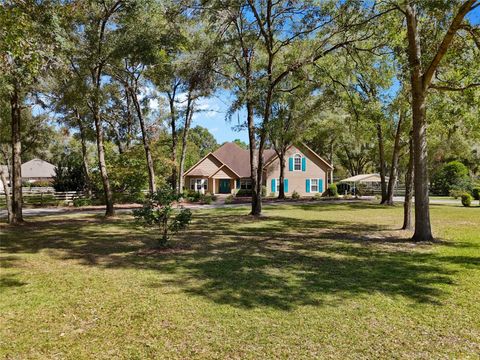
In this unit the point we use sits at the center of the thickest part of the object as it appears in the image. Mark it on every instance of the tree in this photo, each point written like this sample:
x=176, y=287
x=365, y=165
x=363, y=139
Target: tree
x=93, y=52
x=70, y=174
x=420, y=42
x=452, y=176
x=290, y=115
x=266, y=27
x=29, y=34
x=159, y=212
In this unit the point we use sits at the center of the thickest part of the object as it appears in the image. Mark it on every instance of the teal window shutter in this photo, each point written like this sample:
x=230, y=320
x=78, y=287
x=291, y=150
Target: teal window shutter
x=290, y=164
x=320, y=185
x=274, y=185
x=285, y=185
x=307, y=185
x=304, y=164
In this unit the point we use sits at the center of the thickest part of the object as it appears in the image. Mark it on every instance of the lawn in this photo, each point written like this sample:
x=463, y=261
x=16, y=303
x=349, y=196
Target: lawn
x=305, y=281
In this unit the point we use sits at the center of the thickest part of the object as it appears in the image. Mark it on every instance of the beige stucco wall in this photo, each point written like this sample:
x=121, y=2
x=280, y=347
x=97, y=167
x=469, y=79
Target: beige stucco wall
x=315, y=169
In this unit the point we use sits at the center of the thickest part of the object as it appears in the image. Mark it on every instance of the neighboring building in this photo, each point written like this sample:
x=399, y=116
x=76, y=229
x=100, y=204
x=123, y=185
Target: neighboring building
x=34, y=170
x=228, y=169
x=371, y=183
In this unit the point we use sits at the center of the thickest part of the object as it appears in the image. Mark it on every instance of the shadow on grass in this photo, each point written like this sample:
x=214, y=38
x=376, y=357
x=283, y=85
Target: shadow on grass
x=277, y=262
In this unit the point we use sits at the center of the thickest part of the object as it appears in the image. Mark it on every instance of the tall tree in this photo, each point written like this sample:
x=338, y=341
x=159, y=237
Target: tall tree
x=29, y=39
x=425, y=54
x=95, y=27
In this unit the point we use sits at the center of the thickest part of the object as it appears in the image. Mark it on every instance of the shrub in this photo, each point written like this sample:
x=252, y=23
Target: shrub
x=244, y=192
x=347, y=197
x=41, y=183
x=332, y=190
x=295, y=195
x=466, y=199
x=264, y=191
x=158, y=211
x=192, y=196
x=318, y=196
x=229, y=199
x=82, y=202
x=451, y=176
x=476, y=193
x=206, y=198
x=455, y=193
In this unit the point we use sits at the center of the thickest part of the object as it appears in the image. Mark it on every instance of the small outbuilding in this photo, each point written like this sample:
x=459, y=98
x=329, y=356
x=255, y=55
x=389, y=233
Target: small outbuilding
x=33, y=170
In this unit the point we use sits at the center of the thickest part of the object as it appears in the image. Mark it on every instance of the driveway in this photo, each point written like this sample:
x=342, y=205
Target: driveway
x=27, y=212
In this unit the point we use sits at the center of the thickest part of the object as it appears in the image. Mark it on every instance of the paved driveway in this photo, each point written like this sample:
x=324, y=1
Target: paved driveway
x=64, y=210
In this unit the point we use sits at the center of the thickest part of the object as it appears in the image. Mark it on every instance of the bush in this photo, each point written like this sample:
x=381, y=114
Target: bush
x=206, y=198
x=158, y=212
x=455, y=193
x=41, y=183
x=318, y=196
x=466, y=200
x=244, y=192
x=295, y=195
x=229, y=199
x=476, y=193
x=82, y=202
x=347, y=197
x=264, y=191
x=332, y=191
x=192, y=196
x=452, y=176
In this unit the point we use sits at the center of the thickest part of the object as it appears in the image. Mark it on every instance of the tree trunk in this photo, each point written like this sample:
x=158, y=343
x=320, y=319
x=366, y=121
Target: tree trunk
x=257, y=209
x=110, y=211
x=16, y=179
x=146, y=146
x=381, y=152
x=8, y=199
x=281, y=158
x=394, y=167
x=423, y=231
x=256, y=196
x=173, y=126
x=83, y=140
x=186, y=128
x=407, y=205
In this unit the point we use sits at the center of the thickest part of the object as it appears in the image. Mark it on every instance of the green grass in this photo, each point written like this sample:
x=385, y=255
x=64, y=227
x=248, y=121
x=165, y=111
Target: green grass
x=305, y=281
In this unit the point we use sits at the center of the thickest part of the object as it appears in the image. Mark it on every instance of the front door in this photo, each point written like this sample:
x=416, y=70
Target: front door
x=224, y=186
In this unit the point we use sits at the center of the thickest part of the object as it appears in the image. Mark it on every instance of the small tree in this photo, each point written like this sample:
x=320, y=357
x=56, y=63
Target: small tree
x=158, y=211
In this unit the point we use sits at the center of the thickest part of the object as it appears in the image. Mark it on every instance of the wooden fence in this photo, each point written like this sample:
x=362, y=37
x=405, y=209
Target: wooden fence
x=45, y=196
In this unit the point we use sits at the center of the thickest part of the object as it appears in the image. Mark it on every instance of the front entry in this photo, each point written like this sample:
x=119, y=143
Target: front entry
x=224, y=186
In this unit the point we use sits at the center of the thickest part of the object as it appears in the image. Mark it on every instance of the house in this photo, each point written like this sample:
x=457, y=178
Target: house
x=227, y=170
x=34, y=170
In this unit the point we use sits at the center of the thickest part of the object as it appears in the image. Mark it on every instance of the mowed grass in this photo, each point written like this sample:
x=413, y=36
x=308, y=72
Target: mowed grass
x=305, y=281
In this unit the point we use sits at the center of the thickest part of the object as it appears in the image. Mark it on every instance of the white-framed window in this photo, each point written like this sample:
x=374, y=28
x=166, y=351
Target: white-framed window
x=297, y=162
x=277, y=185
x=198, y=184
x=246, y=184
x=313, y=185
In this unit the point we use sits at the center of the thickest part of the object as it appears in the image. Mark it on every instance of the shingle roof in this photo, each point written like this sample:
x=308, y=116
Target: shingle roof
x=38, y=168
x=238, y=159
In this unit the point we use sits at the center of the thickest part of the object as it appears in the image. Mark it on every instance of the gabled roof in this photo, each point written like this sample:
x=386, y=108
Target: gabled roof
x=35, y=168
x=38, y=168
x=275, y=156
x=237, y=159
